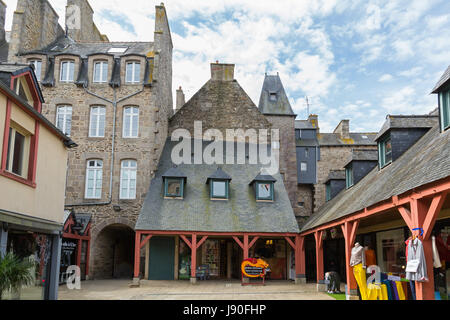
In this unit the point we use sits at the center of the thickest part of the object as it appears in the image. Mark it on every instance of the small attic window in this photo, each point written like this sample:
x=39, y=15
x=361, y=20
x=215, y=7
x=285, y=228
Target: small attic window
x=117, y=49
x=385, y=151
x=174, y=187
x=273, y=96
x=219, y=189
x=264, y=191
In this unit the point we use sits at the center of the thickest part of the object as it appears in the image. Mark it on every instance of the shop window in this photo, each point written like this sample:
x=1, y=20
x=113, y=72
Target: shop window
x=385, y=151
x=264, y=191
x=444, y=106
x=391, y=251
x=174, y=188
x=219, y=189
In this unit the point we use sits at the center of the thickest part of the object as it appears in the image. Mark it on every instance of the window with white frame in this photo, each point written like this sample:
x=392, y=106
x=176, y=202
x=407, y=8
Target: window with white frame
x=133, y=72
x=67, y=71
x=128, y=174
x=97, y=122
x=18, y=151
x=37, y=64
x=100, y=71
x=64, y=119
x=130, y=122
x=94, y=177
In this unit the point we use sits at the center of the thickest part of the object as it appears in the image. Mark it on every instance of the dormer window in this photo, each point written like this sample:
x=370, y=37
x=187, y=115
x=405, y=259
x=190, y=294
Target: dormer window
x=444, y=106
x=272, y=96
x=219, y=184
x=174, y=184
x=133, y=72
x=100, y=71
x=385, y=151
x=37, y=64
x=264, y=187
x=349, y=176
x=67, y=71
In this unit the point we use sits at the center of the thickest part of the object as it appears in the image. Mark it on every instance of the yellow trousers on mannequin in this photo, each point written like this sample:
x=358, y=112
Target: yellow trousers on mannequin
x=377, y=292
x=360, y=276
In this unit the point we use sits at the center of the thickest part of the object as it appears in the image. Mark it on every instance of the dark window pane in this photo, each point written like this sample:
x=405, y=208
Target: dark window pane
x=18, y=153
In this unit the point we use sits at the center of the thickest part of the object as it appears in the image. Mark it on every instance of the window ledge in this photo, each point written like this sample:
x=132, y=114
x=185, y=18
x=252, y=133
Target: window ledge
x=174, y=198
x=386, y=165
x=270, y=201
x=218, y=199
x=17, y=178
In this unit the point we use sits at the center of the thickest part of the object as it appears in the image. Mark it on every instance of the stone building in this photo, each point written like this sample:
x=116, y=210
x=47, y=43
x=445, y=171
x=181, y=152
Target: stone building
x=114, y=99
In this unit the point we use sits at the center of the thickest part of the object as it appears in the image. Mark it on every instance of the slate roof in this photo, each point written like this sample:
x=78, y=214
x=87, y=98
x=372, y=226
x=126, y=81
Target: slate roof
x=362, y=155
x=444, y=79
x=303, y=124
x=306, y=142
x=408, y=121
x=336, y=175
x=356, y=139
x=219, y=175
x=84, y=49
x=281, y=106
x=196, y=212
x=425, y=162
x=7, y=70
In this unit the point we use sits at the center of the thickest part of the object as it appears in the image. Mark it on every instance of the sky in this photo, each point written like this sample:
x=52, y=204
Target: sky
x=354, y=59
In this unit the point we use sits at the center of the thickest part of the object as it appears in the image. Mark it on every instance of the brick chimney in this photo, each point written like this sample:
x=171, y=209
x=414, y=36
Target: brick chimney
x=313, y=119
x=222, y=71
x=343, y=129
x=180, y=99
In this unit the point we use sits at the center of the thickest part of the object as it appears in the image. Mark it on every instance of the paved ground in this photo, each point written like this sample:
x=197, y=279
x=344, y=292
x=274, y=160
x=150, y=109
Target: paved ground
x=183, y=290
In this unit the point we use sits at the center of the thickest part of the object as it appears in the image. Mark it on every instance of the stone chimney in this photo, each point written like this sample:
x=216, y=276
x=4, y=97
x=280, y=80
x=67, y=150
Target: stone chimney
x=222, y=71
x=2, y=22
x=180, y=99
x=343, y=129
x=313, y=119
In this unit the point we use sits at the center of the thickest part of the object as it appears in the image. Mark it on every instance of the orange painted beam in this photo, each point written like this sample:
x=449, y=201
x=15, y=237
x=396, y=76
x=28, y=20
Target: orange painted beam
x=291, y=243
x=145, y=241
x=239, y=242
x=194, y=256
x=433, y=212
x=201, y=241
x=186, y=240
x=137, y=254
x=252, y=243
x=319, y=256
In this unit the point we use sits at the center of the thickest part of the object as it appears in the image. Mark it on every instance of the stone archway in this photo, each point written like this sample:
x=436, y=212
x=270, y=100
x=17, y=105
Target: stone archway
x=112, y=249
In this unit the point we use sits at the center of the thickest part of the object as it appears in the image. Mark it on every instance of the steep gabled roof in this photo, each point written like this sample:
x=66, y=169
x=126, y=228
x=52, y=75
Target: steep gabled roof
x=443, y=81
x=280, y=105
x=425, y=162
x=407, y=122
x=197, y=212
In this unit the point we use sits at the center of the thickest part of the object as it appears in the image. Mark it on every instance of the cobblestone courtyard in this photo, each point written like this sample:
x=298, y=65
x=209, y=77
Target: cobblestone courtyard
x=183, y=290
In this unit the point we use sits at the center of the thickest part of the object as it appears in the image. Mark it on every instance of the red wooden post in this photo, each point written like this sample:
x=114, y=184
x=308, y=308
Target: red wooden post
x=137, y=254
x=79, y=245
x=88, y=255
x=245, y=246
x=193, y=257
x=349, y=231
x=319, y=257
x=300, y=274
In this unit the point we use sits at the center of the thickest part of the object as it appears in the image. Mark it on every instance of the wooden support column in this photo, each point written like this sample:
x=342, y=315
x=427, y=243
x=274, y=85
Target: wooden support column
x=246, y=247
x=349, y=231
x=193, y=258
x=299, y=251
x=319, y=261
x=88, y=256
x=78, y=259
x=137, y=255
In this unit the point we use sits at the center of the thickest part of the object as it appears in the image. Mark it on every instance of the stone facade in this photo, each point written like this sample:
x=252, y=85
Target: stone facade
x=112, y=218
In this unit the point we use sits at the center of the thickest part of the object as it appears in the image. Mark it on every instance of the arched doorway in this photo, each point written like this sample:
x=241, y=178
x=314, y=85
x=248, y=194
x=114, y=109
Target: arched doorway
x=114, y=252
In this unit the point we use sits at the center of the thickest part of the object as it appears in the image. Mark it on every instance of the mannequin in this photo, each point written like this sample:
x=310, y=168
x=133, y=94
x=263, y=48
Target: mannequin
x=358, y=262
x=358, y=256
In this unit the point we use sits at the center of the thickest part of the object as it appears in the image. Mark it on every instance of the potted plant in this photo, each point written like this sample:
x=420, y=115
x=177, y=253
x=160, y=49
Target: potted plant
x=14, y=273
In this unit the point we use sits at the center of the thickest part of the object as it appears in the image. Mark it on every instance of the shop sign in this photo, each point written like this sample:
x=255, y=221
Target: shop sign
x=254, y=268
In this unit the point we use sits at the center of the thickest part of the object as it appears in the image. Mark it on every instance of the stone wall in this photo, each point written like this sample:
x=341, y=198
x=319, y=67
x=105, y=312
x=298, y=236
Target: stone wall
x=35, y=25
x=2, y=21
x=331, y=158
x=81, y=17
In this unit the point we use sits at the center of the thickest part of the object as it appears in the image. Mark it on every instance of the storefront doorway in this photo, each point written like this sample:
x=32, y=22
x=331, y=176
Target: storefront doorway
x=162, y=260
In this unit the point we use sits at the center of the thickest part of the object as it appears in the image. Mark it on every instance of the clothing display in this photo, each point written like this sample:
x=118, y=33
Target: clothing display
x=360, y=276
x=436, y=258
x=401, y=293
x=358, y=256
x=371, y=259
x=416, y=268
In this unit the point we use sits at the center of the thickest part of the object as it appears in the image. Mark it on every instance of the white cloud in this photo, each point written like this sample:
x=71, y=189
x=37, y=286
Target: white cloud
x=385, y=78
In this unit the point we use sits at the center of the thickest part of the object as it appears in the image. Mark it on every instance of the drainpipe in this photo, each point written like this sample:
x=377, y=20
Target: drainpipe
x=113, y=143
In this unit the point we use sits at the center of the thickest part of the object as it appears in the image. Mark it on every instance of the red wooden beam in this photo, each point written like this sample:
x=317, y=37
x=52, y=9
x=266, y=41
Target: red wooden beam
x=291, y=243
x=88, y=255
x=246, y=247
x=194, y=256
x=202, y=241
x=137, y=254
x=239, y=242
x=432, y=214
x=223, y=234
x=75, y=236
x=145, y=241
x=252, y=243
x=186, y=240
x=406, y=215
